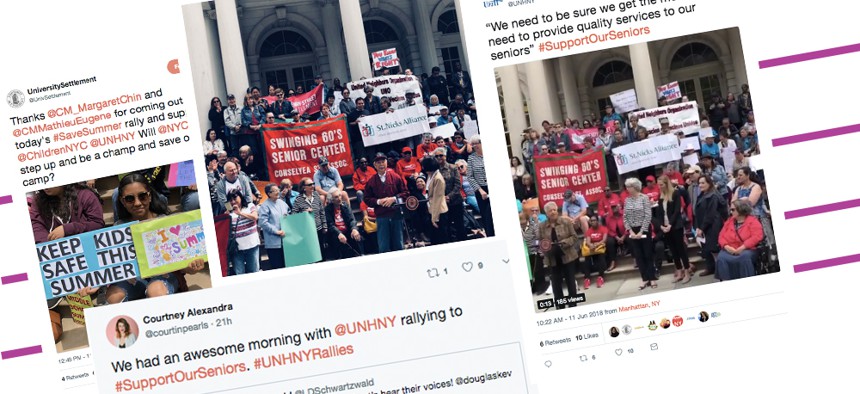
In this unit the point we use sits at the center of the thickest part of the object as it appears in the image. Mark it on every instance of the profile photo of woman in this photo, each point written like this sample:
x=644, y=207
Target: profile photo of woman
x=124, y=335
x=613, y=332
x=703, y=316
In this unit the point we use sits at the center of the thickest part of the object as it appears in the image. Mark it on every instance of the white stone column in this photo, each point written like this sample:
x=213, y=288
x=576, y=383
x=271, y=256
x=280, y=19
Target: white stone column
x=204, y=55
x=356, y=43
x=334, y=40
x=738, y=60
x=232, y=50
x=543, y=99
x=643, y=75
x=515, y=115
x=464, y=61
x=424, y=31
x=569, y=89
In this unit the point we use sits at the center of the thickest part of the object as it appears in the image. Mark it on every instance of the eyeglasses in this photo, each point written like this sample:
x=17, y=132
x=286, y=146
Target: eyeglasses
x=216, y=101
x=440, y=156
x=130, y=198
x=461, y=167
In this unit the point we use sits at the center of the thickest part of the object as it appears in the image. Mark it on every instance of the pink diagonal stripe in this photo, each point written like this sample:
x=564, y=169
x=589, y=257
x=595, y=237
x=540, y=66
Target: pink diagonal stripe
x=24, y=351
x=816, y=135
x=815, y=265
x=802, y=57
x=836, y=206
x=9, y=279
x=5, y=200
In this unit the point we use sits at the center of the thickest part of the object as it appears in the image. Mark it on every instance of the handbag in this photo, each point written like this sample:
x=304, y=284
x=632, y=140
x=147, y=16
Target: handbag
x=369, y=225
x=586, y=251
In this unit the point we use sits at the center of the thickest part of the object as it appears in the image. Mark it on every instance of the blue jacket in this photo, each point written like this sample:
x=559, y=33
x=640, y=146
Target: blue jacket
x=270, y=212
x=258, y=113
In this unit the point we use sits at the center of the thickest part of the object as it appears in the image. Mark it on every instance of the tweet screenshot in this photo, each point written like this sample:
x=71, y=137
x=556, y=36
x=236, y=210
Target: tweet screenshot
x=640, y=177
x=428, y=330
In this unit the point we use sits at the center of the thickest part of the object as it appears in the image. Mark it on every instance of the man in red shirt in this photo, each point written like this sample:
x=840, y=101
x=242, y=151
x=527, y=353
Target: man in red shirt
x=604, y=206
x=360, y=177
x=382, y=193
x=408, y=166
x=427, y=148
x=617, y=234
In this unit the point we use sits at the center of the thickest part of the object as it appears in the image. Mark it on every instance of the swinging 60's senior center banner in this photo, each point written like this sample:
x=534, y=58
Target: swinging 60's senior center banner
x=652, y=151
x=391, y=126
x=584, y=174
x=293, y=151
x=682, y=116
x=90, y=259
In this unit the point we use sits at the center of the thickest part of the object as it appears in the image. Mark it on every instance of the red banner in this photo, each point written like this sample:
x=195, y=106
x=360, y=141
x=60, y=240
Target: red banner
x=293, y=150
x=584, y=174
x=578, y=135
x=310, y=102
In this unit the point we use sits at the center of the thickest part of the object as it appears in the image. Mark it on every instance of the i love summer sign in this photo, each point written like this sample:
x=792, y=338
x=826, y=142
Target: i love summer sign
x=169, y=244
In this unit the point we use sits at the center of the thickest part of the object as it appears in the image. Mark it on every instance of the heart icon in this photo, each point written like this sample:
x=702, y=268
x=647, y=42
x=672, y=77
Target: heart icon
x=618, y=352
x=467, y=266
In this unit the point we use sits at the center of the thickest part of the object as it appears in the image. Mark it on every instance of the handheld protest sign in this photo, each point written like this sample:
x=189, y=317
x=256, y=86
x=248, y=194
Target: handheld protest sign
x=170, y=243
x=301, y=243
x=78, y=303
x=90, y=259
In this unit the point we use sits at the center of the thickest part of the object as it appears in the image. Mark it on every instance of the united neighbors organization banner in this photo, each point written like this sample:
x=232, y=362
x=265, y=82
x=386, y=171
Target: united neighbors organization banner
x=584, y=174
x=293, y=151
x=391, y=126
x=391, y=86
x=90, y=259
x=652, y=151
x=682, y=116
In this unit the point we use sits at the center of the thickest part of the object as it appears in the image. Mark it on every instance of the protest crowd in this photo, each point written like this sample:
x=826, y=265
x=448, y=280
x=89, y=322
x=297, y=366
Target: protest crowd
x=80, y=210
x=359, y=193
x=711, y=202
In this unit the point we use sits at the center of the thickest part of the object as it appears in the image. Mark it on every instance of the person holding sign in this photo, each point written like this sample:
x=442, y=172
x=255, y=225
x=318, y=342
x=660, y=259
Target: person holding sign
x=139, y=204
x=60, y=212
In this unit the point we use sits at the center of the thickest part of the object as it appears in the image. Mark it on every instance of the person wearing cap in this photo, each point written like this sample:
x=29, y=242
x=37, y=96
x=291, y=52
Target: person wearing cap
x=381, y=194
x=692, y=175
x=371, y=102
x=408, y=165
x=651, y=190
x=709, y=147
x=741, y=161
x=409, y=102
x=576, y=208
x=453, y=194
x=662, y=101
x=610, y=116
x=560, y=148
x=233, y=123
x=665, y=127
x=604, y=205
x=445, y=118
x=327, y=179
x=426, y=148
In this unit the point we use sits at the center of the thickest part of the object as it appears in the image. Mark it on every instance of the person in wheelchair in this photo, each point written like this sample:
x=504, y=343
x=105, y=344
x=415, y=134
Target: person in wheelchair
x=739, y=240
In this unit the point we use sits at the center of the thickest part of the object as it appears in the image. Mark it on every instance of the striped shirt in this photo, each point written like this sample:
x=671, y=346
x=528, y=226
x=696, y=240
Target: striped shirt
x=311, y=204
x=637, y=212
x=246, y=229
x=476, y=173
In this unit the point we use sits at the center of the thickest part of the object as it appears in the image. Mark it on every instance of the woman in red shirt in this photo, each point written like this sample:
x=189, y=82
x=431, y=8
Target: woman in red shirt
x=595, y=240
x=739, y=241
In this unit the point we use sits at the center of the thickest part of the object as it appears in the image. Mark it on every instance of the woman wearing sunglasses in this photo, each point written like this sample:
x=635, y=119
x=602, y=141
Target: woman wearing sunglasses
x=138, y=202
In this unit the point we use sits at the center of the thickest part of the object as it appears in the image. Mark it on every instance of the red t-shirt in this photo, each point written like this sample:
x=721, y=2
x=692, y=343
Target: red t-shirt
x=338, y=220
x=596, y=235
x=422, y=149
x=407, y=168
x=360, y=178
x=615, y=225
x=653, y=192
x=675, y=176
x=604, y=206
